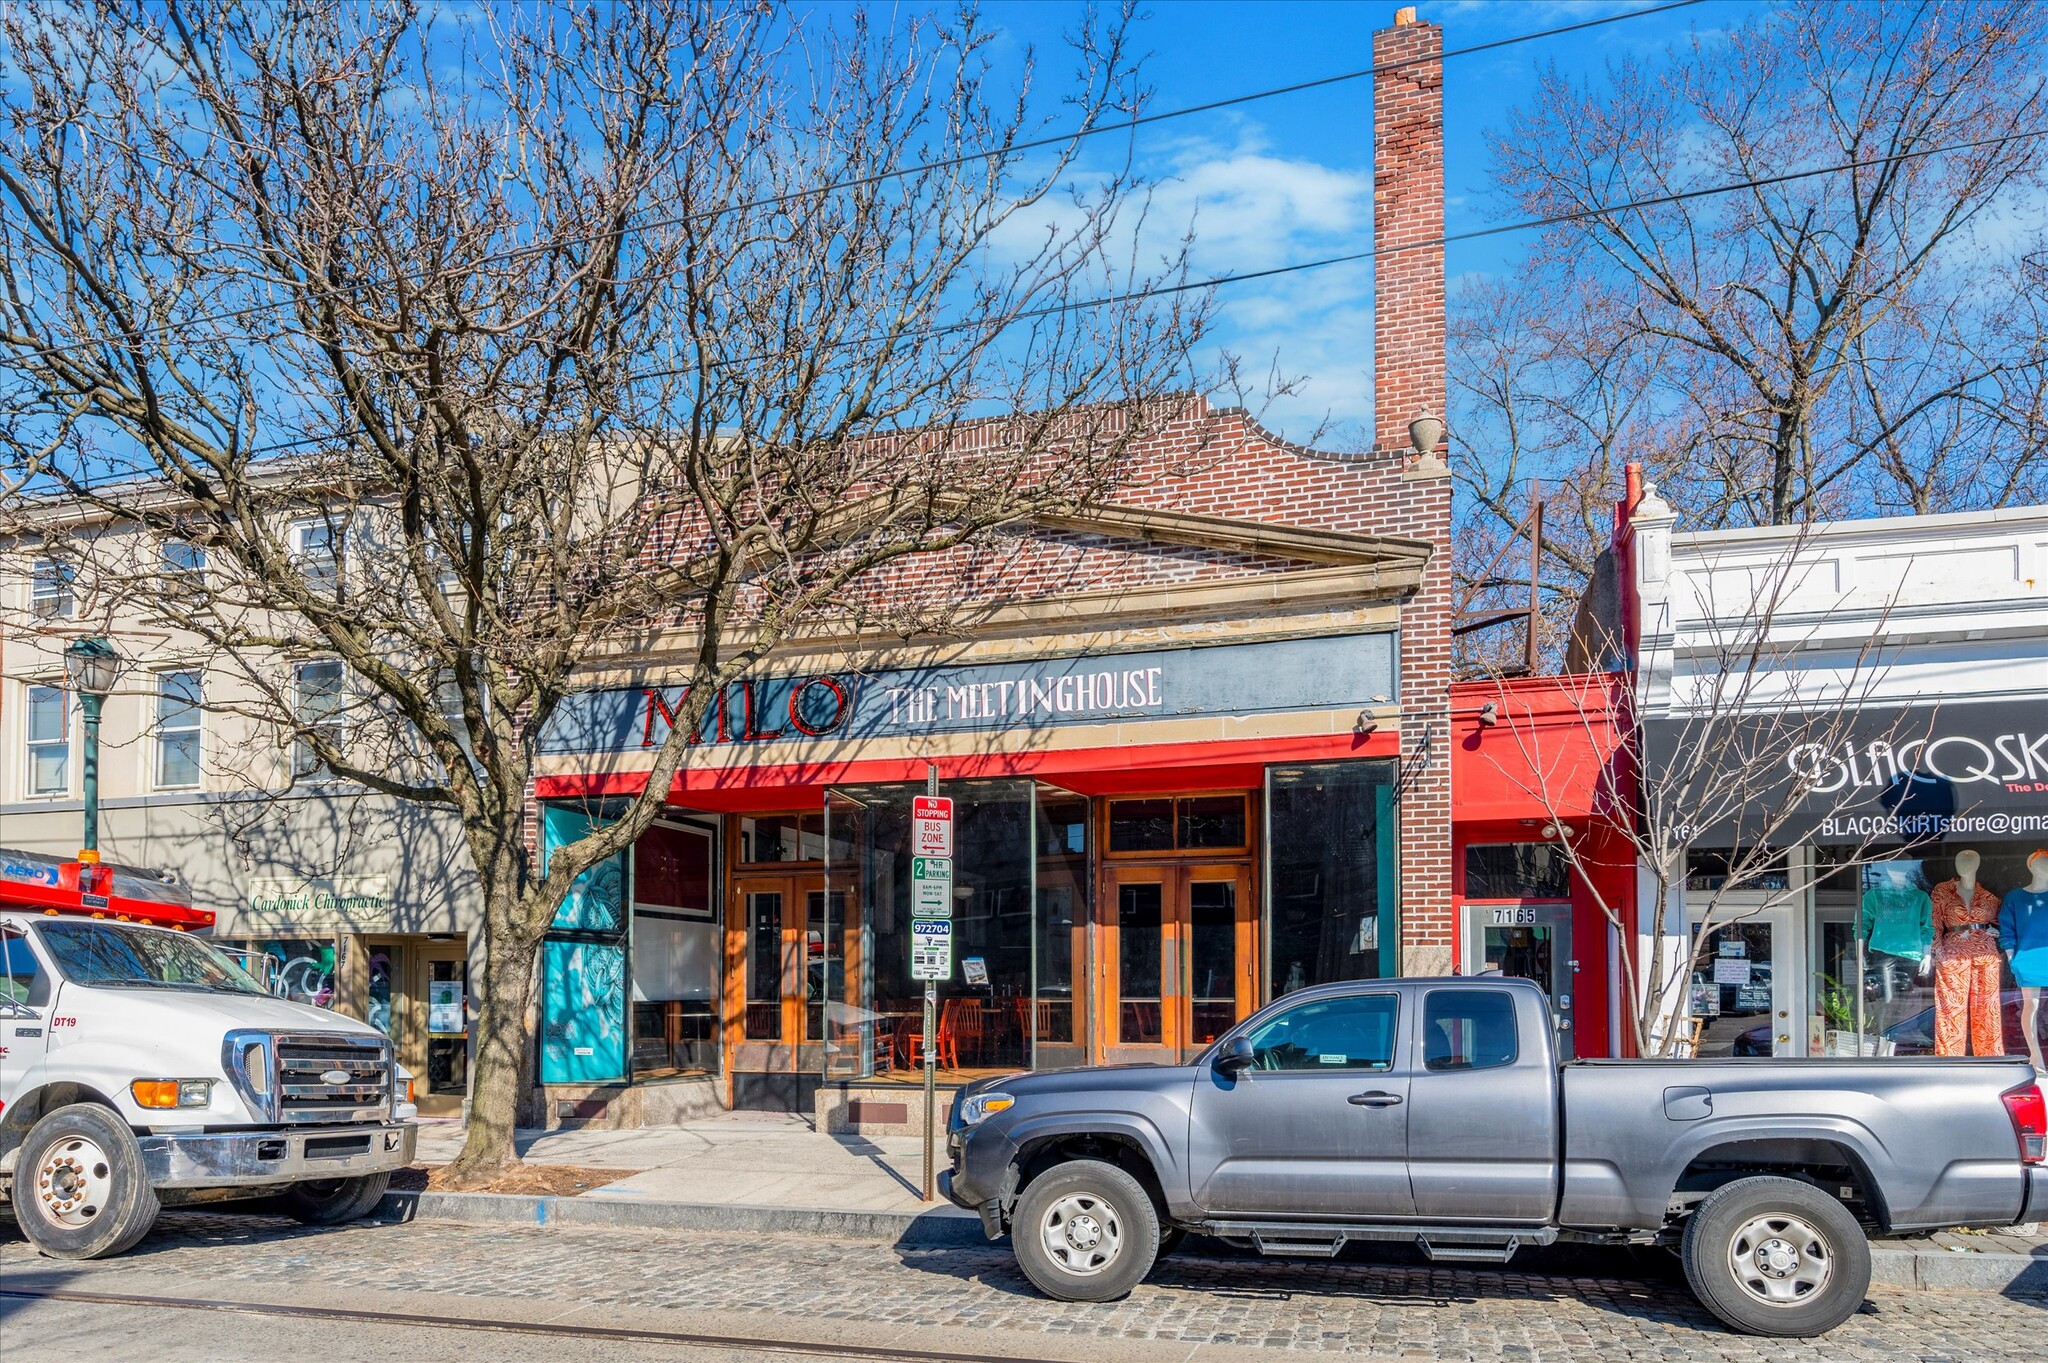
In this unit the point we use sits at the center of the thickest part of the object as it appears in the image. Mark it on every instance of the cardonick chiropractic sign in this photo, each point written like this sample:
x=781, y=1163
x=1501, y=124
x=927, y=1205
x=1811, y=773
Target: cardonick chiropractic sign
x=1906, y=774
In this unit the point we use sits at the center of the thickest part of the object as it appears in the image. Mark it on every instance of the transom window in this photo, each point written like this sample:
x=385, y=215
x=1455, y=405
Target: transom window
x=771, y=838
x=1517, y=870
x=1186, y=823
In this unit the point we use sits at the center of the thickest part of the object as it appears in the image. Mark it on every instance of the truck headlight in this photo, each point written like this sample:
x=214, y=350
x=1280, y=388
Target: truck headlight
x=170, y=1093
x=982, y=1106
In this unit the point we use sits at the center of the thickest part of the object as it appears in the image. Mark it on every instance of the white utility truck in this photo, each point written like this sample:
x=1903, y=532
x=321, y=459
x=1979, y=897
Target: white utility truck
x=142, y=1068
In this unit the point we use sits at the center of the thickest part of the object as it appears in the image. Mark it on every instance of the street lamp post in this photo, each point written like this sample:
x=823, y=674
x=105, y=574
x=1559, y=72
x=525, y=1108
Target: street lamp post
x=92, y=665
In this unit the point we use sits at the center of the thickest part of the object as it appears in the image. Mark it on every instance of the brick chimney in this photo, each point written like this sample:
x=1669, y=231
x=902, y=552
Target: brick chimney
x=1408, y=382
x=1407, y=208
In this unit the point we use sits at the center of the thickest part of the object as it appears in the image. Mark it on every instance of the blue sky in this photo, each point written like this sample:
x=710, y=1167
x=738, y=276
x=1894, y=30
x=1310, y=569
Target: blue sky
x=1289, y=179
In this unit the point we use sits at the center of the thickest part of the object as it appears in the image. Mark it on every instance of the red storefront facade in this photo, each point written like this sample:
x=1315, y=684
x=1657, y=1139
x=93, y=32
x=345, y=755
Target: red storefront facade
x=1543, y=872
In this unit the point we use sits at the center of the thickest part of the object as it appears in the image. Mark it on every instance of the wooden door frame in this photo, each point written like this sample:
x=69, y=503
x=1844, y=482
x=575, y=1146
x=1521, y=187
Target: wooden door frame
x=1174, y=876
x=424, y=952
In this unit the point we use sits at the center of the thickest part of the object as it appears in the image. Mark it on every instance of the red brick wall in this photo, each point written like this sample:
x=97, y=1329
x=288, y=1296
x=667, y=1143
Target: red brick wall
x=1408, y=380
x=1220, y=463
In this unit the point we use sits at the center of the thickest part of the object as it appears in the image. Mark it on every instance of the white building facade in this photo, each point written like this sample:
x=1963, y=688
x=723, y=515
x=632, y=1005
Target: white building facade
x=1915, y=830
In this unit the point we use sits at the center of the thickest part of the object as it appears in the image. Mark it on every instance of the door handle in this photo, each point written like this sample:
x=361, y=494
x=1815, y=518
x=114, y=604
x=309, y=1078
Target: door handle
x=1373, y=1099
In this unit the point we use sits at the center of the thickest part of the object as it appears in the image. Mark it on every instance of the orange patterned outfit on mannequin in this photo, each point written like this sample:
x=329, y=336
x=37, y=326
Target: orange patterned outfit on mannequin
x=1967, y=967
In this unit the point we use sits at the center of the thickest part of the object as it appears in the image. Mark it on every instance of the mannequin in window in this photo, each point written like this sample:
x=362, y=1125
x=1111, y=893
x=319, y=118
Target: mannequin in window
x=1967, y=964
x=2023, y=933
x=1898, y=924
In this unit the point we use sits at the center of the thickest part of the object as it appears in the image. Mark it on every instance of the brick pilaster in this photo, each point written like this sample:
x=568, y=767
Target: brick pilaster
x=1408, y=381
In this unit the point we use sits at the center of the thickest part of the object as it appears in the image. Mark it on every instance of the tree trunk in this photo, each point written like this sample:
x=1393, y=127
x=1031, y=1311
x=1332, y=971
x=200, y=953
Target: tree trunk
x=497, y=1072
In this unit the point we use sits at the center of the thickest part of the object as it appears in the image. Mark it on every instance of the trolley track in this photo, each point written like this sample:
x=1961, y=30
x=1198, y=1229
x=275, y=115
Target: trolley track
x=797, y=1348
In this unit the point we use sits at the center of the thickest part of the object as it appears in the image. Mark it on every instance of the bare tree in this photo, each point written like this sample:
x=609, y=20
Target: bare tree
x=478, y=357
x=1722, y=744
x=1555, y=400
x=1852, y=343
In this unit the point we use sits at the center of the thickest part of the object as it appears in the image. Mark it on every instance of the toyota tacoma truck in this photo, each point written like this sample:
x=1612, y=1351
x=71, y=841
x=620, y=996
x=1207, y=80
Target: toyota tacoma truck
x=141, y=1068
x=1435, y=1112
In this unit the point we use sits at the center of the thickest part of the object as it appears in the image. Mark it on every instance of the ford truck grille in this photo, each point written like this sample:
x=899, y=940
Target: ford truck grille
x=331, y=1078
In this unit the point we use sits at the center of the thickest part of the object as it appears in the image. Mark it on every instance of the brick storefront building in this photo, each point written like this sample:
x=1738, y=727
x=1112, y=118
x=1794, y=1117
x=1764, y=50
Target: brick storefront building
x=1197, y=742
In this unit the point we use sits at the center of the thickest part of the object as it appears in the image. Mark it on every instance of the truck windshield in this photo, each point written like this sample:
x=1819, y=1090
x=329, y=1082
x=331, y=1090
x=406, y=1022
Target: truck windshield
x=125, y=956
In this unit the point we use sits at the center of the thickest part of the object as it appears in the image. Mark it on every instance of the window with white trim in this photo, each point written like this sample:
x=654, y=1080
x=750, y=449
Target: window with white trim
x=52, y=595
x=319, y=711
x=184, y=561
x=177, y=729
x=314, y=550
x=49, y=741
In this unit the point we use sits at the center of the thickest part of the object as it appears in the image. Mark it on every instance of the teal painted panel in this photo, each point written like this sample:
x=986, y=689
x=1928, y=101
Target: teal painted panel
x=583, y=1013
x=597, y=900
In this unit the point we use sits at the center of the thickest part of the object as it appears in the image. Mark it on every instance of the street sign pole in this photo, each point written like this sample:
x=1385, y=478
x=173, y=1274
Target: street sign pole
x=931, y=1033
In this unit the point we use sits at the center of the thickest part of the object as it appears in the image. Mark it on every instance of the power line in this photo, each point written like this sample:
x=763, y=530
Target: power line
x=1141, y=120
x=947, y=163
x=1475, y=234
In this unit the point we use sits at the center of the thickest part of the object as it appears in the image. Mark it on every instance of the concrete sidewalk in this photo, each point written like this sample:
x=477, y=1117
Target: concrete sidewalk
x=754, y=1159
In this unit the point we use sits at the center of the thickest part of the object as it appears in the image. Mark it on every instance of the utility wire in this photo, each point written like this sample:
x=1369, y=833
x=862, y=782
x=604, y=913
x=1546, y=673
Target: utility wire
x=1475, y=234
x=947, y=163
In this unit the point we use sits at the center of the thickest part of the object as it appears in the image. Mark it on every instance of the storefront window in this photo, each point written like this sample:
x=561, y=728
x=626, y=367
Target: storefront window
x=1061, y=988
x=986, y=1014
x=1331, y=838
x=301, y=970
x=676, y=943
x=1910, y=953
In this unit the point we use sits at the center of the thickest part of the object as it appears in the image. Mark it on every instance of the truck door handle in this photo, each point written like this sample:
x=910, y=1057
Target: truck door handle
x=1373, y=1099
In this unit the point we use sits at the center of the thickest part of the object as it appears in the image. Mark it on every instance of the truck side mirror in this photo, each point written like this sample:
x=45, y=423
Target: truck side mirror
x=1236, y=1057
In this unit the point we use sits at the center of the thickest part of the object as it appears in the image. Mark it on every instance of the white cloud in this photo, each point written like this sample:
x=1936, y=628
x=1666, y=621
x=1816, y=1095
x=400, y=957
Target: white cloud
x=1247, y=210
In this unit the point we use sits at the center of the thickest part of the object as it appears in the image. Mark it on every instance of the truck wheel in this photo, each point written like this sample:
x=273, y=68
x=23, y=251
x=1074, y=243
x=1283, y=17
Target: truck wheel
x=79, y=1188
x=1085, y=1231
x=1774, y=1256
x=331, y=1201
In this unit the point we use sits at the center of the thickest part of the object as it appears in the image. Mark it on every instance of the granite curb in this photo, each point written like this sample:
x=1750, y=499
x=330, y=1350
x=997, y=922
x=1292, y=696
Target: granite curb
x=945, y=1226
x=1936, y=1270
x=935, y=1228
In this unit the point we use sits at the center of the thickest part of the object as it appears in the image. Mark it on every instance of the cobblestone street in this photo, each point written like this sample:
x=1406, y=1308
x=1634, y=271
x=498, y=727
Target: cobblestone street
x=808, y=1289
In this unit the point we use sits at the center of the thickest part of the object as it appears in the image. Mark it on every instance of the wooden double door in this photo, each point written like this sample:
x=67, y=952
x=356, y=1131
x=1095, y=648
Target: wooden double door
x=1179, y=965
x=792, y=975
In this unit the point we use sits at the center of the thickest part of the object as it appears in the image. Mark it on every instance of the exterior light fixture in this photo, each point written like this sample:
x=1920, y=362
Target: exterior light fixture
x=92, y=666
x=1489, y=714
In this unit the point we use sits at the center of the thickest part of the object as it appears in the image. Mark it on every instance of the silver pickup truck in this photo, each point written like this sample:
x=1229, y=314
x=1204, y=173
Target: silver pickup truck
x=1434, y=1111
